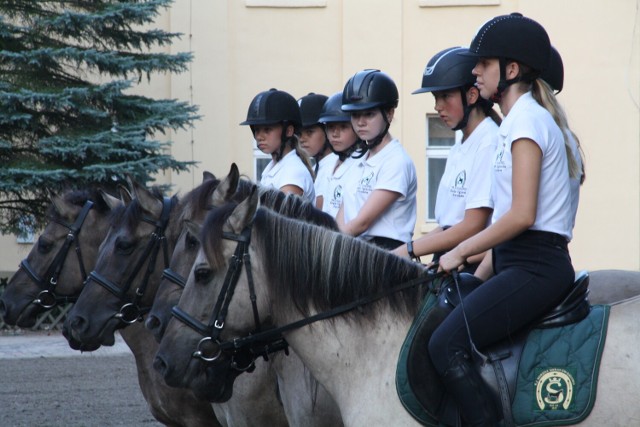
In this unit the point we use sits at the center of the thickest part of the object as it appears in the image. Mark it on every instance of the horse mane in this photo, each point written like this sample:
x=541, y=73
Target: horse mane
x=294, y=206
x=198, y=199
x=319, y=268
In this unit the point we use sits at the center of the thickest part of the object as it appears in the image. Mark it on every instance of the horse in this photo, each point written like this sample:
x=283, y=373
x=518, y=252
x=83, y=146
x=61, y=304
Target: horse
x=353, y=353
x=119, y=291
x=52, y=275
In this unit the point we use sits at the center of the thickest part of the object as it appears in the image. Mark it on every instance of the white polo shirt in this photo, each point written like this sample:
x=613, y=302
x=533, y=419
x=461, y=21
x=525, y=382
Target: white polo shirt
x=325, y=168
x=527, y=119
x=337, y=183
x=466, y=181
x=290, y=170
x=393, y=170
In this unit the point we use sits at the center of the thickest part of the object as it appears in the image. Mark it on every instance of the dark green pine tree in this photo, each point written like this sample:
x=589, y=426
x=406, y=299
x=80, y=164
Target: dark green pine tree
x=68, y=118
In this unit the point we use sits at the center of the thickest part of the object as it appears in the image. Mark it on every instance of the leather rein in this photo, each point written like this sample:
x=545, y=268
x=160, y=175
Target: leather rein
x=262, y=342
x=131, y=310
x=48, y=298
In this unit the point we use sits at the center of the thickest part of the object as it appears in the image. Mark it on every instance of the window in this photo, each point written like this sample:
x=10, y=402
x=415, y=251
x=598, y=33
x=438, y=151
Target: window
x=439, y=140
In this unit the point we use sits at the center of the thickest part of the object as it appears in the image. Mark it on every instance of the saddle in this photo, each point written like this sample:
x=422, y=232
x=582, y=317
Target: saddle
x=500, y=374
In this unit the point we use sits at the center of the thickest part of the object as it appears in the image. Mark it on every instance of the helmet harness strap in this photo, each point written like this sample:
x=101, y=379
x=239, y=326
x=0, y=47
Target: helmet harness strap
x=378, y=139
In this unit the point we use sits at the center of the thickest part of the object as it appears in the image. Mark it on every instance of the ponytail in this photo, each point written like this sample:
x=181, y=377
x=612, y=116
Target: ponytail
x=543, y=94
x=293, y=142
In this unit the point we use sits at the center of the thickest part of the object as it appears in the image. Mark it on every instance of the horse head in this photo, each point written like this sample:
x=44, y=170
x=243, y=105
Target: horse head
x=128, y=269
x=57, y=265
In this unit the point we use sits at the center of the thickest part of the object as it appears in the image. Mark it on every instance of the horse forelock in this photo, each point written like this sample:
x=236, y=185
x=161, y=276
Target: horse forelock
x=197, y=200
x=211, y=233
x=79, y=198
x=313, y=267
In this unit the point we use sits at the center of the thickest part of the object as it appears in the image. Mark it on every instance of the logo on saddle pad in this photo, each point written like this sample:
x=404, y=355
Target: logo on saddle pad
x=554, y=389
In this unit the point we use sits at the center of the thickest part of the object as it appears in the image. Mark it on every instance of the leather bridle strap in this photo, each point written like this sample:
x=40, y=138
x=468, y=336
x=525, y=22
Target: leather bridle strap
x=174, y=277
x=131, y=310
x=275, y=334
x=47, y=298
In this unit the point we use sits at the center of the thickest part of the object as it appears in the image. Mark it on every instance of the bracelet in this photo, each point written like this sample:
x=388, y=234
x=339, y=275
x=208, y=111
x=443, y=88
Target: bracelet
x=412, y=254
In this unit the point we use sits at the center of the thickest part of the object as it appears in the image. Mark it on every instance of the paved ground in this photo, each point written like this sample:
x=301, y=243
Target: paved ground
x=45, y=383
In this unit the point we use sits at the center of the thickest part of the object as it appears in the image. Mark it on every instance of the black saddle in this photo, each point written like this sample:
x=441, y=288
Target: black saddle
x=500, y=374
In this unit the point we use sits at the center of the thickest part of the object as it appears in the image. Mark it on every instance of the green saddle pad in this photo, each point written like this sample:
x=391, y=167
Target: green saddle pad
x=558, y=372
x=557, y=376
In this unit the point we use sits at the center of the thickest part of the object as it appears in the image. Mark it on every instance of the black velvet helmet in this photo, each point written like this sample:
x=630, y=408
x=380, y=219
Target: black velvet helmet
x=554, y=74
x=369, y=89
x=448, y=70
x=273, y=106
x=332, y=110
x=513, y=37
x=310, y=107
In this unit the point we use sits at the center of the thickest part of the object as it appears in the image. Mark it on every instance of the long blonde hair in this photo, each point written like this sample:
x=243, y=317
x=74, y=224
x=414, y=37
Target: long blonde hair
x=544, y=95
x=295, y=144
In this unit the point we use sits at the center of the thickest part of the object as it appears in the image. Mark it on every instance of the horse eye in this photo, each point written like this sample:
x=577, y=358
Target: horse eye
x=202, y=274
x=124, y=247
x=191, y=241
x=44, y=245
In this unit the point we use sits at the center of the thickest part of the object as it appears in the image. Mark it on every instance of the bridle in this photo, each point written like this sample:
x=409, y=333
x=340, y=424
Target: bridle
x=48, y=298
x=261, y=343
x=131, y=310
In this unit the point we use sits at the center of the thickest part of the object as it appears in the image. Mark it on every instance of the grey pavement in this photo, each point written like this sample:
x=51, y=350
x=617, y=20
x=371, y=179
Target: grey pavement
x=32, y=345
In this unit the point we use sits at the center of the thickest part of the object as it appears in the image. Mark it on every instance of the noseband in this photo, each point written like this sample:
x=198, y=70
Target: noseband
x=131, y=310
x=48, y=298
x=262, y=343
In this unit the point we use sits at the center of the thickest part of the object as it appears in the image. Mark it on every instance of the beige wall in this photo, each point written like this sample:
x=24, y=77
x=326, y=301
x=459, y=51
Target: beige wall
x=240, y=51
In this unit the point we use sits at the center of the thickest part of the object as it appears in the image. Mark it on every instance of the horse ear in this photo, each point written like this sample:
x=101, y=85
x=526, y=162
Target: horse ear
x=193, y=228
x=207, y=176
x=112, y=202
x=243, y=214
x=125, y=195
x=227, y=187
x=148, y=202
x=60, y=205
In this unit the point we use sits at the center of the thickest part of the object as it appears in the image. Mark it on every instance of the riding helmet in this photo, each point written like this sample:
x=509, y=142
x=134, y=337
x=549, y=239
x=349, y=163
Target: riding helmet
x=369, y=89
x=448, y=70
x=514, y=37
x=310, y=107
x=554, y=74
x=332, y=110
x=273, y=106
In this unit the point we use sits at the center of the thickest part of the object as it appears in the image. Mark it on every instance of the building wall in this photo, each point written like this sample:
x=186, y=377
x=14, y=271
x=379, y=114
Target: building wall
x=241, y=49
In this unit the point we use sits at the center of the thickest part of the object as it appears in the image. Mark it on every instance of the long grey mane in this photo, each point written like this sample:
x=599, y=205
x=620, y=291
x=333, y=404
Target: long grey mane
x=319, y=268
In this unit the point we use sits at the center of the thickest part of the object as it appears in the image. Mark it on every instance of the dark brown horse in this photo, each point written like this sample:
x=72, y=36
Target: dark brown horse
x=53, y=273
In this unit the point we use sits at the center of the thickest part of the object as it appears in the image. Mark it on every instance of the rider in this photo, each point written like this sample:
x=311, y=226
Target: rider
x=531, y=223
x=463, y=204
x=345, y=144
x=314, y=141
x=380, y=204
x=274, y=118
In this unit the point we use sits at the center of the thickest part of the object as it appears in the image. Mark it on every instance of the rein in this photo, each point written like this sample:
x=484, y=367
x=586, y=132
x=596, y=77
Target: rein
x=262, y=343
x=131, y=311
x=48, y=297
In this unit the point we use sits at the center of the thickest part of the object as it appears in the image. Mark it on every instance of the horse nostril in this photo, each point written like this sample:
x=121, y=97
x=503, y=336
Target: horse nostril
x=152, y=323
x=160, y=365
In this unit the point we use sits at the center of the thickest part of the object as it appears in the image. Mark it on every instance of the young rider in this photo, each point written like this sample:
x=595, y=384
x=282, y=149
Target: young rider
x=531, y=223
x=274, y=118
x=380, y=205
x=463, y=203
x=314, y=142
x=347, y=147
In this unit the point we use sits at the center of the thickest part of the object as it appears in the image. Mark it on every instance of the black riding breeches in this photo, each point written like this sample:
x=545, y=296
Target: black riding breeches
x=533, y=274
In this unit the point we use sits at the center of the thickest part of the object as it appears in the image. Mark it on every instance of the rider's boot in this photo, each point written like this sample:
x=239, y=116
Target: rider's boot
x=469, y=392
